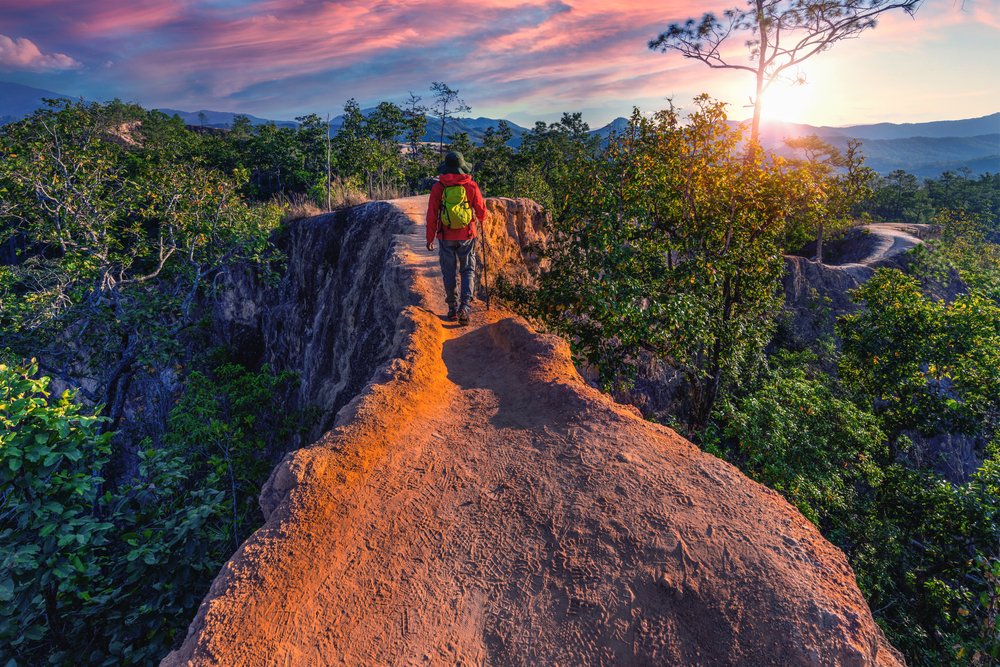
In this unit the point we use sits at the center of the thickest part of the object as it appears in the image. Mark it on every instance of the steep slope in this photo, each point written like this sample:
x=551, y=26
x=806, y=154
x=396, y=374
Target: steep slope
x=332, y=316
x=478, y=503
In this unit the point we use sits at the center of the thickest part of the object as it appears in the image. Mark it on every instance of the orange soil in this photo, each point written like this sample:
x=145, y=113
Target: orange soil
x=480, y=504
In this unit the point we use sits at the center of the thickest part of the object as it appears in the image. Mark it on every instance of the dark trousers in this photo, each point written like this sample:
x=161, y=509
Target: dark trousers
x=458, y=256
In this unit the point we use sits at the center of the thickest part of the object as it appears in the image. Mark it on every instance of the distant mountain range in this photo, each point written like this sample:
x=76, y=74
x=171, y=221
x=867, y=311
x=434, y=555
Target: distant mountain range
x=923, y=149
x=17, y=101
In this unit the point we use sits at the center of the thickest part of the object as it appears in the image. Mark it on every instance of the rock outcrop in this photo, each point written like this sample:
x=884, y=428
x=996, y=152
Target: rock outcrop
x=331, y=318
x=817, y=294
x=514, y=233
x=478, y=503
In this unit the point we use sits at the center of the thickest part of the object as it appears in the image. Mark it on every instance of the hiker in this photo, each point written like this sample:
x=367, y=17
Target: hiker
x=455, y=209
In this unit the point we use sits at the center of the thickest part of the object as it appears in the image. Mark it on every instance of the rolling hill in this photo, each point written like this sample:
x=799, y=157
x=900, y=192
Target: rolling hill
x=923, y=149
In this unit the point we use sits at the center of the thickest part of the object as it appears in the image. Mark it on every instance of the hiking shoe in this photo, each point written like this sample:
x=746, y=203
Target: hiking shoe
x=463, y=315
x=452, y=313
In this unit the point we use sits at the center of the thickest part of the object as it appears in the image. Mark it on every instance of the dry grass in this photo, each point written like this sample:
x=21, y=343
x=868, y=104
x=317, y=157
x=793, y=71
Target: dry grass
x=387, y=192
x=343, y=194
x=346, y=192
x=296, y=207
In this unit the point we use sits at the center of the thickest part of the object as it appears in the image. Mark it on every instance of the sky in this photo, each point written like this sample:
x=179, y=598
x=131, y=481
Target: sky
x=523, y=60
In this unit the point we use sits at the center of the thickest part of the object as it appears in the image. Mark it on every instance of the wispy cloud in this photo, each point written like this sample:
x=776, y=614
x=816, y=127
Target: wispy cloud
x=281, y=57
x=20, y=53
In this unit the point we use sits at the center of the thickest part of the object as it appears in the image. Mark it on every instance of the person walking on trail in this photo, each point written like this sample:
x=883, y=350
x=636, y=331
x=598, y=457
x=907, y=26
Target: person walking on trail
x=456, y=208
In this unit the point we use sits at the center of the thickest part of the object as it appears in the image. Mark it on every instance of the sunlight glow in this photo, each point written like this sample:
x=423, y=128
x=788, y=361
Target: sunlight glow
x=789, y=103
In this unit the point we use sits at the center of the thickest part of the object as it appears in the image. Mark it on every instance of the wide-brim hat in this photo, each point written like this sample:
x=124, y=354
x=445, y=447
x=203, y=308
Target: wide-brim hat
x=454, y=163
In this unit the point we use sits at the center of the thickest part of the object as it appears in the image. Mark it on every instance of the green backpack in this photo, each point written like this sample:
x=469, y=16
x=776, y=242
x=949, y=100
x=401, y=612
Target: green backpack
x=456, y=211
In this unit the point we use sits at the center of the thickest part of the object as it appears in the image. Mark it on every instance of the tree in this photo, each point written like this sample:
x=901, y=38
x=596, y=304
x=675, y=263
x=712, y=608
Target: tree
x=494, y=161
x=780, y=34
x=556, y=151
x=96, y=572
x=415, y=122
x=384, y=167
x=836, y=183
x=446, y=103
x=669, y=250
x=900, y=197
x=928, y=365
x=348, y=143
x=119, y=243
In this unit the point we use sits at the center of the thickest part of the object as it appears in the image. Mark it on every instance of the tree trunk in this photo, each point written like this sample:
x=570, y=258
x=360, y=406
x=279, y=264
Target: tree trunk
x=819, y=244
x=761, y=69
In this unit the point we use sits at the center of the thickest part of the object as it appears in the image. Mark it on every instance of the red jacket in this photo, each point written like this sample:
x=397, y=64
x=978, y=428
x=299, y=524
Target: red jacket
x=475, y=197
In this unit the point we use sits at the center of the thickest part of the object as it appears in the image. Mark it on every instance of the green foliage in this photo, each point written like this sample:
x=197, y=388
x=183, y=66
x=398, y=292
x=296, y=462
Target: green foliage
x=223, y=426
x=494, y=162
x=975, y=197
x=114, y=241
x=557, y=153
x=983, y=650
x=965, y=247
x=928, y=365
x=901, y=197
x=366, y=148
x=51, y=457
x=832, y=186
x=669, y=247
x=920, y=544
x=797, y=436
x=111, y=575
x=917, y=545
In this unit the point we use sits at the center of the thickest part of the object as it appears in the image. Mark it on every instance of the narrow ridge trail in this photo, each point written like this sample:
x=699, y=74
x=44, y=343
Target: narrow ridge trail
x=479, y=504
x=883, y=241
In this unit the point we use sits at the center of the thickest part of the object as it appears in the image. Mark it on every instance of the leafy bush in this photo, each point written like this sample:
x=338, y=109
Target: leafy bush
x=51, y=457
x=927, y=365
x=669, y=248
x=112, y=575
x=115, y=243
x=797, y=436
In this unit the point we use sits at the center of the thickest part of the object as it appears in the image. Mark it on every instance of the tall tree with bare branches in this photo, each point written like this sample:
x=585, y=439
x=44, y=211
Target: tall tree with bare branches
x=780, y=34
x=446, y=103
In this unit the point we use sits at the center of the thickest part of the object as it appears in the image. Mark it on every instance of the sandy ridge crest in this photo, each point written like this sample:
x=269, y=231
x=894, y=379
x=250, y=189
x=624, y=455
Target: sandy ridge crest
x=480, y=504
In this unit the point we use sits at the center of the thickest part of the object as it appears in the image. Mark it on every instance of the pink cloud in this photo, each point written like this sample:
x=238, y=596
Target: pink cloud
x=110, y=18
x=276, y=56
x=22, y=53
x=295, y=40
x=280, y=37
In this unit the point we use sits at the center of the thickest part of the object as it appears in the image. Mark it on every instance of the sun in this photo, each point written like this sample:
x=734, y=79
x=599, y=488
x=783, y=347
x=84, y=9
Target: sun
x=788, y=103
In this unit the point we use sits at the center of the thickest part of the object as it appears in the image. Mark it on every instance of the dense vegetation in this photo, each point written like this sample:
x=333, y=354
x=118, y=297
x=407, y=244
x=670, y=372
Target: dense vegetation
x=115, y=224
x=665, y=253
x=902, y=197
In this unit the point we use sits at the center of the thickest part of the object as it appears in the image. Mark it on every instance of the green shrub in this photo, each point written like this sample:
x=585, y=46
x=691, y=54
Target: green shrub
x=112, y=575
x=55, y=545
x=795, y=435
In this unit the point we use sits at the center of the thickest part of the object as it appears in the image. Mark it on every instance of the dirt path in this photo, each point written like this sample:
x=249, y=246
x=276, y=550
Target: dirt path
x=882, y=241
x=479, y=504
x=892, y=239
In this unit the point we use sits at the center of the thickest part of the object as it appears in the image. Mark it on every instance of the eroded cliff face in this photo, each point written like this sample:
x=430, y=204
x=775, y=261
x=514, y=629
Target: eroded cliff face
x=817, y=294
x=478, y=503
x=514, y=232
x=331, y=318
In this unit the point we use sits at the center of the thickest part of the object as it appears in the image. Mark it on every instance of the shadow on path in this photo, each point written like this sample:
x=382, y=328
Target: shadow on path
x=475, y=361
